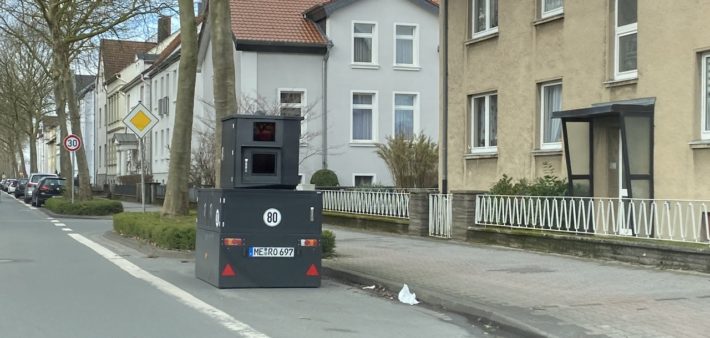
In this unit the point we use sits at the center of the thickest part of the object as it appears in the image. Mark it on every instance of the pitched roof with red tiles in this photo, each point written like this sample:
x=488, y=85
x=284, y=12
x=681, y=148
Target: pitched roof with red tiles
x=117, y=54
x=275, y=21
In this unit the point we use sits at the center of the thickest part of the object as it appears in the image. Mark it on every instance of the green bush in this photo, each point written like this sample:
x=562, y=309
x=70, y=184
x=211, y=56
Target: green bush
x=174, y=233
x=413, y=161
x=93, y=207
x=324, y=178
x=327, y=241
x=547, y=185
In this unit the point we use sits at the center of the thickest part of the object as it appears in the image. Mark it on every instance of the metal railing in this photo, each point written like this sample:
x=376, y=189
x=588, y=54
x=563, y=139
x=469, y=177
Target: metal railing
x=365, y=202
x=670, y=220
x=440, y=215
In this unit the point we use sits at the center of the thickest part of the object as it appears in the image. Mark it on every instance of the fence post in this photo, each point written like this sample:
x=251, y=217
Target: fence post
x=463, y=212
x=419, y=212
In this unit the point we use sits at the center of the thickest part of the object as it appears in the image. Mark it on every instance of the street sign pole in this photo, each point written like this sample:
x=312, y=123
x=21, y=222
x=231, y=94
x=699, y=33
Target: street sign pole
x=72, y=177
x=140, y=121
x=140, y=148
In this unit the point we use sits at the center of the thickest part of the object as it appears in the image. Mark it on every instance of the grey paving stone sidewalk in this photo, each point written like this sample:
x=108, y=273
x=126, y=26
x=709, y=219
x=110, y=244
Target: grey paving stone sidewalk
x=138, y=207
x=546, y=293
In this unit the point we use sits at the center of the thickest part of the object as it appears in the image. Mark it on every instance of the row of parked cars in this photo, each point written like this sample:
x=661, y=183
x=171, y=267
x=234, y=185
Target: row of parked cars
x=36, y=189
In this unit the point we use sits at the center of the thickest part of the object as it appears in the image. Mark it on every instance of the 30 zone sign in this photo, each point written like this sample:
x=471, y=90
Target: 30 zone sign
x=72, y=142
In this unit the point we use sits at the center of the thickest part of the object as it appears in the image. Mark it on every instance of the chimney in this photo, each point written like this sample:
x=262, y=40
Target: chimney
x=164, y=29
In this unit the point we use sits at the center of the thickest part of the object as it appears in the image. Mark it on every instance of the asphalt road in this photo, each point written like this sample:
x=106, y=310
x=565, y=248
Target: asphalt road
x=66, y=278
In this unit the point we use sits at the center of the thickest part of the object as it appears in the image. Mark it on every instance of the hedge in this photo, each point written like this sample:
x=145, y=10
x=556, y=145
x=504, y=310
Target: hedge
x=327, y=242
x=93, y=207
x=173, y=233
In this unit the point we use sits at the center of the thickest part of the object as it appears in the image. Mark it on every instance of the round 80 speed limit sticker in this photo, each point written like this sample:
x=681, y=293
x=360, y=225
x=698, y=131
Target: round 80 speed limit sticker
x=272, y=217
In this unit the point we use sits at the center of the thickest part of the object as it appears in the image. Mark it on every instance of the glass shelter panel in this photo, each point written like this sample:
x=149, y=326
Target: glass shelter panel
x=579, y=147
x=638, y=141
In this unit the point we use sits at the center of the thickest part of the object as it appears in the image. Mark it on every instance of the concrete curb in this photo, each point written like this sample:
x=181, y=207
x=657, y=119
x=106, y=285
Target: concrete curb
x=507, y=324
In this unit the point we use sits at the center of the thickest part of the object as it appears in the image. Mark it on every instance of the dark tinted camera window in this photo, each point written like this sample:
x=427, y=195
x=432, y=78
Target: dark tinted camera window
x=263, y=164
x=265, y=131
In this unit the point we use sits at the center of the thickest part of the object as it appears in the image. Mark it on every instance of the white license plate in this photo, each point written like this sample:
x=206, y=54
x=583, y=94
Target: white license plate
x=262, y=251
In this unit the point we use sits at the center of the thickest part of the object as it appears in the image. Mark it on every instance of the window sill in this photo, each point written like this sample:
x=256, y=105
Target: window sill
x=547, y=152
x=547, y=19
x=480, y=156
x=477, y=39
x=364, y=66
x=700, y=144
x=365, y=144
x=407, y=68
x=619, y=83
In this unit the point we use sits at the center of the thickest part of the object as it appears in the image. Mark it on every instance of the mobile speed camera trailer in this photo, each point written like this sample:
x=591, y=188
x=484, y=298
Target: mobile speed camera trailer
x=256, y=230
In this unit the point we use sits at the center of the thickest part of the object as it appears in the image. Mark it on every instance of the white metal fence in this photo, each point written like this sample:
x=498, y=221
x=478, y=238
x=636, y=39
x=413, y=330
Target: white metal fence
x=440, y=215
x=673, y=220
x=379, y=203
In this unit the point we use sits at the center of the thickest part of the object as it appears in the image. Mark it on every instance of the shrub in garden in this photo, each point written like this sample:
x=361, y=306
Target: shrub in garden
x=93, y=207
x=547, y=185
x=324, y=178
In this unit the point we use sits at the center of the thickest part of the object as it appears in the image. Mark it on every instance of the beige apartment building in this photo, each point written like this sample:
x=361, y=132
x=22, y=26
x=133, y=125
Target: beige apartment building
x=611, y=94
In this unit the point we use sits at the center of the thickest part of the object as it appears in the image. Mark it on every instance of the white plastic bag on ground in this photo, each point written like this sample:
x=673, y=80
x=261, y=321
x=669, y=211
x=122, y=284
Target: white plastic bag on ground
x=407, y=297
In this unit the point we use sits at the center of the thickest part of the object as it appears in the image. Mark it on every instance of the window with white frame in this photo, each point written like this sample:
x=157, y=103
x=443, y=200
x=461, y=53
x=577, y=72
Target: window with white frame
x=705, y=99
x=551, y=129
x=406, y=45
x=363, y=116
x=364, y=43
x=405, y=110
x=550, y=8
x=625, y=41
x=484, y=15
x=484, y=120
x=292, y=102
x=363, y=180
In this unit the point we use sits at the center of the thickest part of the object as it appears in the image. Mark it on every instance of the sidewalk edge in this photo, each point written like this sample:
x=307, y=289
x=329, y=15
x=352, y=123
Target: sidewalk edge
x=508, y=324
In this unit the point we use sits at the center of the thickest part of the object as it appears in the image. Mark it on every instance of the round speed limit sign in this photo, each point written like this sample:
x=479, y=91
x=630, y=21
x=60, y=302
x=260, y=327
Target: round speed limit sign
x=72, y=142
x=272, y=217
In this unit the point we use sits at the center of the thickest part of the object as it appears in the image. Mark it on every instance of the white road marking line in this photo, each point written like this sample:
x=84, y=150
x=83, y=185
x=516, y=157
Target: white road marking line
x=59, y=224
x=33, y=208
x=183, y=296
x=50, y=218
x=66, y=229
x=54, y=221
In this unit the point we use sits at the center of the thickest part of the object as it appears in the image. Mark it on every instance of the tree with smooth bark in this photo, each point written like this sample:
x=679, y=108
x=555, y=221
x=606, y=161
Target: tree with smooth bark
x=176, y=196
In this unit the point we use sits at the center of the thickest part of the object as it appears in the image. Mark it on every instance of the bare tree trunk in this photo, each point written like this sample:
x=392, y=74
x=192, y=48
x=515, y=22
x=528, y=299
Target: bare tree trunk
x=176, y=196
x=21, y=154
x=13, y=157
x=74, y=115
x=64, y=160
x=225, y=99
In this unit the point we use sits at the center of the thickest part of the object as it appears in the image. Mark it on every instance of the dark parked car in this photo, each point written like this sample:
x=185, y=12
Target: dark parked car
x=20, y=189
x=32, y=184
x=47, y=187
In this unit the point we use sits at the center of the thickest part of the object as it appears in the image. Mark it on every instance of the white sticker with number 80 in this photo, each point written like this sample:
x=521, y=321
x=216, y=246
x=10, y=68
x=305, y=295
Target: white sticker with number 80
x=272, y=217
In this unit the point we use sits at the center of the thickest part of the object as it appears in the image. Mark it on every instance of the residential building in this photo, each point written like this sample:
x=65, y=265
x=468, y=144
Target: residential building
x=113, y=73
x=612, y=95
x=356, y=73
x=85, y=86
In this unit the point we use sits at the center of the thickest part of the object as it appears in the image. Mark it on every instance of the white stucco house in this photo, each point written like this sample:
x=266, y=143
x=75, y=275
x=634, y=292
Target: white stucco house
x=357, y=74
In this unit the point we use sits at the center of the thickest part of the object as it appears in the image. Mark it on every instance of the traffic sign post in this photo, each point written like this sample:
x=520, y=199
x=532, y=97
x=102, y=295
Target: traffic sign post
x=140, y=121
x=72, y=143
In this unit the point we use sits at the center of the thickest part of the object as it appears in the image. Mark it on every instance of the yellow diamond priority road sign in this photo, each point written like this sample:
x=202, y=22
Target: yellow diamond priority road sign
x=140, y=120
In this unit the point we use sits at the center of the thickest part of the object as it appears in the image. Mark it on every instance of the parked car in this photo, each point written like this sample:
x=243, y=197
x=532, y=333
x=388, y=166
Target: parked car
x=20, y=189
x=11, y=186
x=2, y=184
x=32, y=184
x=47, y=187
